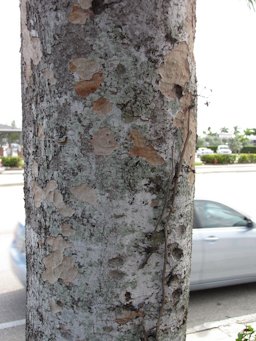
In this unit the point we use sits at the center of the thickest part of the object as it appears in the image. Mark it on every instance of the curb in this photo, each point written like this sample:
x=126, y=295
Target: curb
x=225, y=168
x=245, y=319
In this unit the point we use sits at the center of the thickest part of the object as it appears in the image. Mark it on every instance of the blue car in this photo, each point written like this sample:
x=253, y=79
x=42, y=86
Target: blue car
x=18, y=253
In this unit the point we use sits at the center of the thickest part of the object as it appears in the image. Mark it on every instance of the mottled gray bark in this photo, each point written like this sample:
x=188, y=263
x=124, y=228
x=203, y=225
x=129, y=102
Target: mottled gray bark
x=109, y=134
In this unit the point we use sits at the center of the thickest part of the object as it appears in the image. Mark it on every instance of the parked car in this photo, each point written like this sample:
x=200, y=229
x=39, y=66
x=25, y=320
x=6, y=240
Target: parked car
x=223, y=149
x=223, y=250
x=203, y=151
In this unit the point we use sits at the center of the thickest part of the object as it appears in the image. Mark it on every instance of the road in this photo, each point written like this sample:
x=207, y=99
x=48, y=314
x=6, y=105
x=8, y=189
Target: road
x=12, y=293
x=233, y=186
x=222, y=303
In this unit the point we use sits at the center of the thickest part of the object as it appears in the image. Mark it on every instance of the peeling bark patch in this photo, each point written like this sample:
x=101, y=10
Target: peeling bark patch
x=175, y=70
x=116, y=274
x=31, y=45
x=66, y=230
x=85, y=4
x=38, y=195
x=79, y=15
x=104, y=142
x=35, y=169
x=116, y=261
x=52, y=195
x=50, y=190
x=84, y=68
x=55, y=307
x=102, y=106
x=58, y=266
x=86, y=87
x=128, y=316
x=58, y=243
x=49, y=76
x=142, y=149
x=88, y=73
x=85, y=194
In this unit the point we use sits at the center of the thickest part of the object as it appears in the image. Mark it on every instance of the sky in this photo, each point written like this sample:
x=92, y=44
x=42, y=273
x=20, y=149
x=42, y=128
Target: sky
x=225, y=52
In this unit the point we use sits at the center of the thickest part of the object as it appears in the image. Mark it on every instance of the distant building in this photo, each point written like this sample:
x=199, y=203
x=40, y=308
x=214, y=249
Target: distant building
x=226, y=136
x=252, y=138
x=10, y=140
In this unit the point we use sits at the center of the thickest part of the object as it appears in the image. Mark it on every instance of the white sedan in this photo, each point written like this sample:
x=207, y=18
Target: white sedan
x=224, y=246
x=203, y=151
x=224, y=149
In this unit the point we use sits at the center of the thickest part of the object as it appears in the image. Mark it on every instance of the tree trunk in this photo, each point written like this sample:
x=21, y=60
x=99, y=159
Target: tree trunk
x=109, y=133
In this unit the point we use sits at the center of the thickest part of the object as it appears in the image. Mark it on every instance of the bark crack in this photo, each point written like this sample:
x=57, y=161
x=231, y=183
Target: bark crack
x=170, y=199
x=99, y=6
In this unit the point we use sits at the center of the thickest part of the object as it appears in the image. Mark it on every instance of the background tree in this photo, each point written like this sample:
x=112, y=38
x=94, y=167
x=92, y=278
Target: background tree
x=224, y=130
x=109, y=134
x=250, y=131
x=238, y=141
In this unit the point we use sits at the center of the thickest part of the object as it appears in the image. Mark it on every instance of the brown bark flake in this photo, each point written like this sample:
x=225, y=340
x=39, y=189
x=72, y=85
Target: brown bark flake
x=78, y=15
x=102, y=106
x=104, y=142
x=86, y=87
x=128, y=316
x=142, y=149
x=175, y=70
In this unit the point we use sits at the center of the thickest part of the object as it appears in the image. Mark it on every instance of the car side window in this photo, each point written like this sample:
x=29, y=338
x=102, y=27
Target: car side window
x=213, y=214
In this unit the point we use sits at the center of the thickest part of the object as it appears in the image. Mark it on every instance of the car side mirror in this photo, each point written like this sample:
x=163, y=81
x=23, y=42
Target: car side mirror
x=250, y=223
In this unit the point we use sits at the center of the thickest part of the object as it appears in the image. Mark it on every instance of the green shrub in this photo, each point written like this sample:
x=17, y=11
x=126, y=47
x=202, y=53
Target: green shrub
x=243, y=158
x=219, y=159
x=252, y=158
x=12, y=161
x=213, y=148
x=248, y=334
x=246, y=158
x=249, y=149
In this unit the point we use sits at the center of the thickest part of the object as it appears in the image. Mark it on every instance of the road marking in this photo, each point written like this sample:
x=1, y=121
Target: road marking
x=12, y=324
x=12, y=184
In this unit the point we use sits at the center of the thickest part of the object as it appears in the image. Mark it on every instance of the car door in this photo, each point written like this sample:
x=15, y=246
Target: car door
x=229, y=245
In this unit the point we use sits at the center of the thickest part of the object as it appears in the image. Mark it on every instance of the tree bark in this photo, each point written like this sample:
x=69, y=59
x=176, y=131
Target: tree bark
x=109, y=101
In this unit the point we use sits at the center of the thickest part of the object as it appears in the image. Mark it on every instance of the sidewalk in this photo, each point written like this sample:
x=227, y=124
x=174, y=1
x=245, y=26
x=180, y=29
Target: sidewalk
x=11, y=177
x=225, y=168
x=225, y=330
